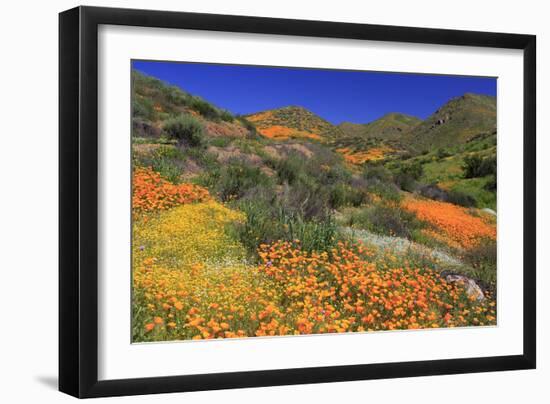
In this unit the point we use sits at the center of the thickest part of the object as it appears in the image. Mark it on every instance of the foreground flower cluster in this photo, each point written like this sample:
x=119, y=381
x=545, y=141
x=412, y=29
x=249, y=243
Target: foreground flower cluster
x=192, y=278
x=454, y=224
x=294, y=292
x=151, y=192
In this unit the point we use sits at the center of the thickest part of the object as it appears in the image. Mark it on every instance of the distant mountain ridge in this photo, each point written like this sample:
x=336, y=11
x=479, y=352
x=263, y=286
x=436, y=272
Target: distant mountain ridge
x=456, y=122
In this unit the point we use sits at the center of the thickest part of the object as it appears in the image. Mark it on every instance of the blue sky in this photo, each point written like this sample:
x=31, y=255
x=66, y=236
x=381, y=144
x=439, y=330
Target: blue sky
x=335, y=95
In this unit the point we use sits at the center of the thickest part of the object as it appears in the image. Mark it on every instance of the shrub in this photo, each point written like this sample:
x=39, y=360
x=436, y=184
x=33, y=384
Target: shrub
x=437, y=194
x=186, y=129
x=166, y=160
x=343, y=194
x=268, y=221
x=388, y=220
x=143, y=108
x=415, y=170
x=204, y=108
x=483, y=259
x=377, y=173
x=289, y=169
x=475, y=166
x=221, y=141
x=226, y=116
x=443, y=153
x=237, y=177
x=175, y=95
x=461, y=198
x=406, y=182
x=432, y=191
x=491, y=184
x=252, y=131
x=408, y=174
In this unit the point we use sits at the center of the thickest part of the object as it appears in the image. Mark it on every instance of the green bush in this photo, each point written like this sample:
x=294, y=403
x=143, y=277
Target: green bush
x=268, y=221
x=175, y=95
x=250, y=127
x=143, y=108
x=186, y=129
x=226, y=116
x=443, y=153
x=415, y=169
x=290, y=169
x=343, y=194
x=491, y=184
x=475, y=166
x=389, y=220
x=408, y=174
x=406, y=182
x=221, y=141
x=461, y=198
x=204, y=108
x=167, y=161
x=377, y=173
x=236, y=178
x=483, y=259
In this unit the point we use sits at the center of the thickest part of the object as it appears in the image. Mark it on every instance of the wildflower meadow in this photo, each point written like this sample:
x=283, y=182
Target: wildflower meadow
x=281, y=223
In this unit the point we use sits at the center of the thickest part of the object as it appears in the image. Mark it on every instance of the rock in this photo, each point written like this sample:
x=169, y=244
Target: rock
x=472, y=288
x=490, y=211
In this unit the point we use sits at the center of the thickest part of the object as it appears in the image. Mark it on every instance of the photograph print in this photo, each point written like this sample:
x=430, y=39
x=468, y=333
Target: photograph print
x=284, y=201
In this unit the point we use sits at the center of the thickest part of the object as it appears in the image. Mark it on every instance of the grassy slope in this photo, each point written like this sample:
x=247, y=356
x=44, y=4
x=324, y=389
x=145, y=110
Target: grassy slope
x=447, y=172
x=458, y=121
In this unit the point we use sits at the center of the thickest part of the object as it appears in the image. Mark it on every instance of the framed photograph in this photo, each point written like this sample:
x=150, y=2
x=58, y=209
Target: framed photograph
x=251, y=201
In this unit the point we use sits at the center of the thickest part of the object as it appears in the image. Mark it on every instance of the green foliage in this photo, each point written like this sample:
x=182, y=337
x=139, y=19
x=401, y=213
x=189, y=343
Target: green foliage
x=483, y=260
x=380, y=181
x=220, y=141
x=290, y=169
x=461, y=198
x=491, y=184
x=236, y=178
x=476, y=188
x=252, y=131
x=386, y=219
x=147, y=140
x=268, y=221
x=186, y=129
x=175, y=95
x=204, y=108
x=414, y=170
x=166, y=160
x=342, y=194
x=226, y=116
x=143, y=108
x=443, y=153
x=377, y=173
x=475, y=166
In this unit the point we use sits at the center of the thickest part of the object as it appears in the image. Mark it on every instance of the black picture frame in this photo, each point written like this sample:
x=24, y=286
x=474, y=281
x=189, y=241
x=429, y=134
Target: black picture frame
x=78, y=201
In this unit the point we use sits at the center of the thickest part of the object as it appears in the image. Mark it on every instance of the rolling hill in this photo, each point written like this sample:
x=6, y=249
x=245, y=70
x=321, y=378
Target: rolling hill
x=390, y=126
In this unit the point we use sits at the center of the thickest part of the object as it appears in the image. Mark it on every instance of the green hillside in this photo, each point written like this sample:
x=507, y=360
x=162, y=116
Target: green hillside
x=456, y=122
